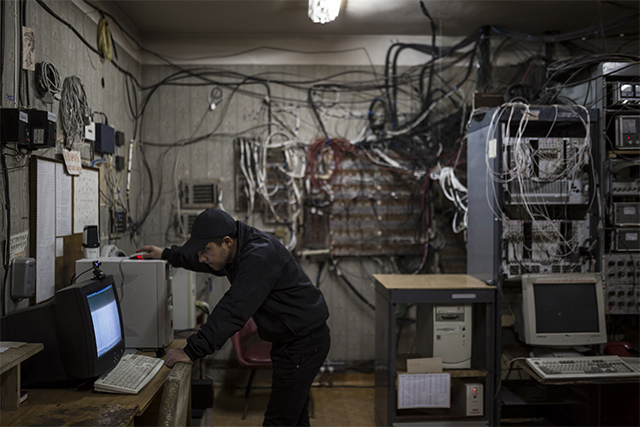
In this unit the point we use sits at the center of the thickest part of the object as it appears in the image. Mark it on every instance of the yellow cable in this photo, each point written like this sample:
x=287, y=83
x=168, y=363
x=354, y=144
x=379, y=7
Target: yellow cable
x=104, y=39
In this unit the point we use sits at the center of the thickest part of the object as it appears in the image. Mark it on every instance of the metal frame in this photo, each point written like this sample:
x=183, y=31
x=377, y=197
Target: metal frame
x=483, y=347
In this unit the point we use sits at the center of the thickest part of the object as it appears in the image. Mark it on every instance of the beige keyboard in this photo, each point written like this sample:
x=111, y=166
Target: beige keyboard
x=131, y=374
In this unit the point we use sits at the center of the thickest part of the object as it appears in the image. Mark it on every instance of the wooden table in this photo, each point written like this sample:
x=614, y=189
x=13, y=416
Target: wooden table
x=83, y=406
x=10, y=373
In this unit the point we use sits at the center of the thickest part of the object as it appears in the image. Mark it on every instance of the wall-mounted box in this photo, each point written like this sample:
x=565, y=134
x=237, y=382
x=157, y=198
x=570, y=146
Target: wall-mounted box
x=105, y=139
x=42, y=127
x=14, y=126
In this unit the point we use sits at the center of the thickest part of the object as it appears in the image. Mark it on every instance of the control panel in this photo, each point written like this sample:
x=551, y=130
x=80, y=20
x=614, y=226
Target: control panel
x=622, y=283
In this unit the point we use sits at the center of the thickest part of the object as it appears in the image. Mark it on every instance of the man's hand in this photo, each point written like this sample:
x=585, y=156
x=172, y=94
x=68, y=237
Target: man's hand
x=174, y=356
x=152, y=252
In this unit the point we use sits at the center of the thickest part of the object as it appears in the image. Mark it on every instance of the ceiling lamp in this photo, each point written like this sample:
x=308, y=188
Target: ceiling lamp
x=323, y=11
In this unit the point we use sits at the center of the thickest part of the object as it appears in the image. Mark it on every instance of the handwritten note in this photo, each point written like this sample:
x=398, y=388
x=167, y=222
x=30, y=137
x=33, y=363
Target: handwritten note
x=73, y=161
x=18, y=244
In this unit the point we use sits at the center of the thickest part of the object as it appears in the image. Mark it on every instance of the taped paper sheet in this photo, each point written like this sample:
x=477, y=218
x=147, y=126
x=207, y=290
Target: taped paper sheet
x=63, y=202
x=45, y=230
x=423, y=391
x=86, y=198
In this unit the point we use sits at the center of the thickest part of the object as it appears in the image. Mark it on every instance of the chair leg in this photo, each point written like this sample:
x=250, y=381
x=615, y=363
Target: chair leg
x=247, y=393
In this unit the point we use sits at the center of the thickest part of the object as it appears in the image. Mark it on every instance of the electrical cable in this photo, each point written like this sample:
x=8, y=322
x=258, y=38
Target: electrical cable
x=571, y=35
x=47, y=80
x=2, y=31
x=7, y=249
x=89, y=45
x=74, y=111
x=348, y=283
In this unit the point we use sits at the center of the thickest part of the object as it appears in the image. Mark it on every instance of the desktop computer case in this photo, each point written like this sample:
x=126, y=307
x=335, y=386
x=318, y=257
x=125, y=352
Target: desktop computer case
x=444, y=330
x=146, y=299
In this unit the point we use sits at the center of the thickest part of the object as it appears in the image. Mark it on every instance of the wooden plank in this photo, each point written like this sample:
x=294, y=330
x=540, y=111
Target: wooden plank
x=14, y=356
x=10, y=388
x=108, y=414
x=430, y=281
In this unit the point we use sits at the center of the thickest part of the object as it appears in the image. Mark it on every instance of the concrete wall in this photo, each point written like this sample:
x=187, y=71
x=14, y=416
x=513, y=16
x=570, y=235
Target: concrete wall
x=56, y=43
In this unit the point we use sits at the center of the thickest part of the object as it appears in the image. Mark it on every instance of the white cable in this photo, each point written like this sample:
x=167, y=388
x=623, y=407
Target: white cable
x=74, y=110
x=454, y=191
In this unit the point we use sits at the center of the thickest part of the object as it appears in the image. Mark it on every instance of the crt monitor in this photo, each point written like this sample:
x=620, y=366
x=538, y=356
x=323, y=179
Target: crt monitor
x=81, y=329
x=562, y=310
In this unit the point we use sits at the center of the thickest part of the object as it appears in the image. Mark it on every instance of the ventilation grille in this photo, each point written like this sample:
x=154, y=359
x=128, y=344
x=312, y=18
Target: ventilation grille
x=186, y=219
x=199, y=194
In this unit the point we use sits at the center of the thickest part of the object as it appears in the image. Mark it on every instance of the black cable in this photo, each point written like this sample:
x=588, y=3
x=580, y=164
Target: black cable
x=7, y=249
x=348, y=283
x=89, y=45
x=2, y=30
x=26, y=72
x=74, y=277
x=571, y=35
x=427, y=97
x=20, y=56
x=316, y=113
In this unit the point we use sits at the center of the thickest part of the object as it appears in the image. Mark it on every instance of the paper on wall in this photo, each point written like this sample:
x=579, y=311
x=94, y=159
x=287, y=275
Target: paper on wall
x=63, y=202
x=45, y=231
x=423, y=391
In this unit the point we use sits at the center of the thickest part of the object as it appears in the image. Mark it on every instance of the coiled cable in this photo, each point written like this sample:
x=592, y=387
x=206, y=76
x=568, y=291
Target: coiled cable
x=47, y=79
x=74, y=110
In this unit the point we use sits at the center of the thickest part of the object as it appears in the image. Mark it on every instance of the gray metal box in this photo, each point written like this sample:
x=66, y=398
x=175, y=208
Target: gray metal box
x=627, y=239
x=23, y=278
x=626, y=213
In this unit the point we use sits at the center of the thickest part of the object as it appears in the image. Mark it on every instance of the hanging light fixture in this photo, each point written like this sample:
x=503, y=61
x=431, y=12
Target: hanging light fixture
x=323, y=11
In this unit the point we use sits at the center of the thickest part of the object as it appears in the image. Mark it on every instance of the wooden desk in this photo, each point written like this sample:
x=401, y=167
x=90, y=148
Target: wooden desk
x=10, y=373
x=83, y=406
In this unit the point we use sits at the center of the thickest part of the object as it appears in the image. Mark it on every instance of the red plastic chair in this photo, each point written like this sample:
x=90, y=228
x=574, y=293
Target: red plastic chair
x=251, y=355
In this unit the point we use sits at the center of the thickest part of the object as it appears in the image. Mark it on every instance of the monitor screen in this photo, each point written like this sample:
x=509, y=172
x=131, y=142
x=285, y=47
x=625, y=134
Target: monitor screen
x=90, y=328
x=565, y=307
x=105, y=318
x=561, y=310
x=81, y=329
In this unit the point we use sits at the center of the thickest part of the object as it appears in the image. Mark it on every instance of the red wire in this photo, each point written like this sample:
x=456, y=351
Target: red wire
x=532, y=61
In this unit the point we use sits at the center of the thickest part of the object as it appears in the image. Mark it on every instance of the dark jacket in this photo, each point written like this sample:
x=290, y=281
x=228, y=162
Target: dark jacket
x=266, y=283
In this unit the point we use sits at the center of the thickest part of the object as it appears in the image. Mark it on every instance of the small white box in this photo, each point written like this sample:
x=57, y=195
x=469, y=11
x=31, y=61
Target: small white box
x=469, y=396
x=90, y=132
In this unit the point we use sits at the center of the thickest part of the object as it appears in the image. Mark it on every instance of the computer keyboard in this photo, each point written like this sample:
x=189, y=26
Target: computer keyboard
x=581, y=367
x=131, y=374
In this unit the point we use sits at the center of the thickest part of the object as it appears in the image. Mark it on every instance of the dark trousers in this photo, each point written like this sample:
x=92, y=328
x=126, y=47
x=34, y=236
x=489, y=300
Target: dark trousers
x=295, y=365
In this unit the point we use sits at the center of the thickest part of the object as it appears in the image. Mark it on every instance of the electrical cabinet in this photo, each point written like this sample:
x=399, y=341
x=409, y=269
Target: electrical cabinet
x=613, y=90
x=533, y=206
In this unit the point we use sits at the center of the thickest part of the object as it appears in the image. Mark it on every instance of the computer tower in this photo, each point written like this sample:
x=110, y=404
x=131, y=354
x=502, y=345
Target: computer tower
x=146, y=298
x=184, y=299
x=444, y=330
